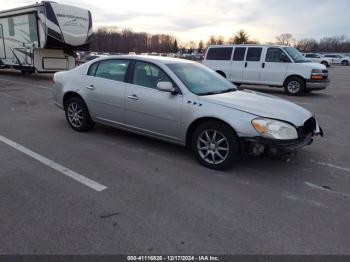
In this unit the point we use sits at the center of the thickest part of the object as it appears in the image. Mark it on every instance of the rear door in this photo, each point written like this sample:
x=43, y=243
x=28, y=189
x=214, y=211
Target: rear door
x=252, y=66
x=274, y=68
x=219, y=59
x=237, y=64
x=105, y=90
x=2, y=43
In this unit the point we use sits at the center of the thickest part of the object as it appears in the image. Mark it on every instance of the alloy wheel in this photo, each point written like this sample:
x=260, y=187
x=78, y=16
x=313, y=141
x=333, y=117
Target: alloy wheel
x=75, y=115
x=213, y=146
x=293, y=87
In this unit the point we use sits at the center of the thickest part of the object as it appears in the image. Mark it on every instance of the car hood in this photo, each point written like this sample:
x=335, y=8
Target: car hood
x=313, y=65
x=261, y=105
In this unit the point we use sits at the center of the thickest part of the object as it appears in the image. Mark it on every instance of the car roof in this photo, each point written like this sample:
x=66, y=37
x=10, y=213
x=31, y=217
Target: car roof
x=147, y=58
x=247, y=45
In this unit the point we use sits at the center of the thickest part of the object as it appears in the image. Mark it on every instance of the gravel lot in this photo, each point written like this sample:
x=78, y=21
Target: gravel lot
x=158, y=199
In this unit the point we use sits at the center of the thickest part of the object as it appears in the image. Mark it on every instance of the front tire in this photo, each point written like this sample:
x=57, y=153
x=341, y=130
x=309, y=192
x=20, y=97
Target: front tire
x=325, y=64
x=77, y=115
x=215, y=145
x=345, y=63
x=294, y=86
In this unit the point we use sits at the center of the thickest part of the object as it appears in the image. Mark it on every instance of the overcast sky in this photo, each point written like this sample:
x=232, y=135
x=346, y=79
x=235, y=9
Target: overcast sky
x=198, y=19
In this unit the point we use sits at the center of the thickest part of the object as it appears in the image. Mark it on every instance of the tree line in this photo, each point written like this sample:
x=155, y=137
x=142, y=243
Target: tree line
x=111, y=39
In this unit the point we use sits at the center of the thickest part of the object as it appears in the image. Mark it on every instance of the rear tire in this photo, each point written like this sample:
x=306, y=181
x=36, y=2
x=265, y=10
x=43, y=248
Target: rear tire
x=215, y=145
x=295, y=86
x=77, y=115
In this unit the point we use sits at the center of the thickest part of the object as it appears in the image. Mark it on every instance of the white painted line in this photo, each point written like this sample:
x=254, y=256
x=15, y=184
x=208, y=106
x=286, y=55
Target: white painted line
x=63, y=170
x=346, y=169
x=314, y=186
x=23, y=83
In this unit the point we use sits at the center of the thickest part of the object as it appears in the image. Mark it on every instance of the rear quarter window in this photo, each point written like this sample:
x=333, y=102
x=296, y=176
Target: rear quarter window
x=219, y=53
x=92, y=69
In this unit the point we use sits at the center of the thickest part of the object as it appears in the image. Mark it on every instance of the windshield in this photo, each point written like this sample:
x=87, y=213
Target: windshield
x=295, y=55
x=201, y=80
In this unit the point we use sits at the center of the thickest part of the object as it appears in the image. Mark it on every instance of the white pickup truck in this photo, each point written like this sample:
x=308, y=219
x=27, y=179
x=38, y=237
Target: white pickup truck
x=273, y=65
x=318, y=58
x=339, y=59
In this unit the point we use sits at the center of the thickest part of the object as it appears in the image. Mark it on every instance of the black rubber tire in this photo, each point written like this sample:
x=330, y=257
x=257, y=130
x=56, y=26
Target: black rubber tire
x=233, y=144
x=325, y=64
x=345, y=63
x=301, y=89
x=87, y=123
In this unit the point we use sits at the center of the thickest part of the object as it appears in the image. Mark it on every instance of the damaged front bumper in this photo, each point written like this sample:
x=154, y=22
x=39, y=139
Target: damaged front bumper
x=257, y=146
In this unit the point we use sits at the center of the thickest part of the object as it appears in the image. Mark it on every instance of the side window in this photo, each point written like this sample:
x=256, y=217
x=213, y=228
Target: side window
x=239, y=53
x=254, y=54
x=1, y=33
x=112, y=69
x=148, y=75
x=92, y=69
x=219, y=53
x=276, y=55
x=11, y=25
x=33, y=36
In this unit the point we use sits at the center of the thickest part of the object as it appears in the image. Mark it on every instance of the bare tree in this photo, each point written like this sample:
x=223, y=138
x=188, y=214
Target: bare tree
x=111, y=39
x=285, y=39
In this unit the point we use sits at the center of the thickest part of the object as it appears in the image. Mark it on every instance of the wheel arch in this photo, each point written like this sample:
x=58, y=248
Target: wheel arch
x=69, y=95
x=192, y=127
x=292, y=76
x=220, y=72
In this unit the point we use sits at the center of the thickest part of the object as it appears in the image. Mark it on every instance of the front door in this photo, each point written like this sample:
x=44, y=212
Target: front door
x=275, y=66
x=149, y=110
x=105, y=90
x=252, y=66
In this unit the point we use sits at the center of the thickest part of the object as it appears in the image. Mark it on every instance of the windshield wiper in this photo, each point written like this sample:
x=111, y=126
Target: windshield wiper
x=218, y=92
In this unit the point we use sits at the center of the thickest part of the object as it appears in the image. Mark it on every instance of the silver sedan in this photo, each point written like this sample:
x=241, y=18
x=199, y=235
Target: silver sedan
x=185, y=103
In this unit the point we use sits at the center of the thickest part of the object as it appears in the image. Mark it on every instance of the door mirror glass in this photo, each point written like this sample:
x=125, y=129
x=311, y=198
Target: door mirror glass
x=166, y=87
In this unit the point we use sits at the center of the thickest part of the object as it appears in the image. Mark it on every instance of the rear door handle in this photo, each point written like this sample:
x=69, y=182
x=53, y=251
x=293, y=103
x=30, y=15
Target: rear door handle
x=263, y=65
x=134, y=97
x=246, y=64
x=91, y=87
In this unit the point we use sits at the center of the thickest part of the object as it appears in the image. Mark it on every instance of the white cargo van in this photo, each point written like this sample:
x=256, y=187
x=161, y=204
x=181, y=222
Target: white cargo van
x=280, y=66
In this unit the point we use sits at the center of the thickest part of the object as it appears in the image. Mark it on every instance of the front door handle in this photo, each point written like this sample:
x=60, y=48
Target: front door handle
x=246, y=64
x=263, y=65
x=134, y=97
x=91, y=87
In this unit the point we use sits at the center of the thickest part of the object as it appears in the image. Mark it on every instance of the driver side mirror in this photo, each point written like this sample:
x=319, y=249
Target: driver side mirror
x=166, y=87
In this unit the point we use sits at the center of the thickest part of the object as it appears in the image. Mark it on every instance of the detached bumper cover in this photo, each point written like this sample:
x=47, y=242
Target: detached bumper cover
x=306, y=134
x=276, y=147
x=317, y=84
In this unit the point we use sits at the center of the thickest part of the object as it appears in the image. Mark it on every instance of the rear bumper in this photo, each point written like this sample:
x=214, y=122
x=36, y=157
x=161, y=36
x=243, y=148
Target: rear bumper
x=317, y=84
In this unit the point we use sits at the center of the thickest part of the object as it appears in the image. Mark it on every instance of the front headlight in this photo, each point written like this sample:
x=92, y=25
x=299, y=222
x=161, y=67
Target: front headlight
x=271, y=128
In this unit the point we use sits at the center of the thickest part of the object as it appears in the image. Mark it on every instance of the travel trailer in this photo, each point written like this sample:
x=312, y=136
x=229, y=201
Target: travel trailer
x=43, y=37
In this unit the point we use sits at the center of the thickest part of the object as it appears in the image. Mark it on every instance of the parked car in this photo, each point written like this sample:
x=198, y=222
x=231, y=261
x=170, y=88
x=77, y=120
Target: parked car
x=318, y=58
x=280, y=66
x=182, y=102
x=339, y=59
